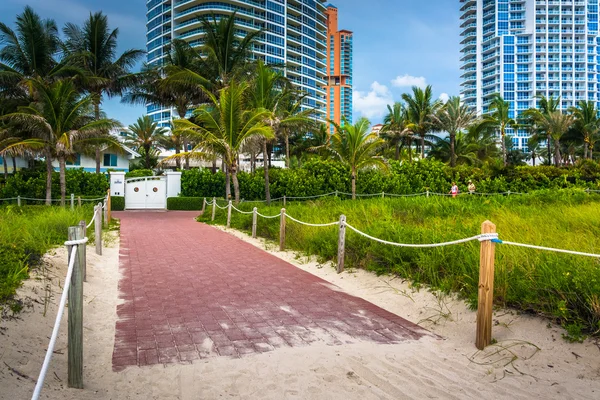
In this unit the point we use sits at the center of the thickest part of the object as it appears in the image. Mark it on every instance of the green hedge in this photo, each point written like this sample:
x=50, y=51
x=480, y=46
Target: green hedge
x=139, y=173
x=184, y=203
x=117, y=203
x=319, y=177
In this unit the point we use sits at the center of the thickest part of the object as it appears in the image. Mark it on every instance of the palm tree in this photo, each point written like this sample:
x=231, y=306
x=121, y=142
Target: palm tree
x=225, y=126
x=145, y=134
x=62, y=123
x=395, y=128
x=421, y=108
x=454, y=117
x=93, y=48
x=357, y=147
x=546, y=106
x=499, y=118
x=464, y=151
x=587, y=122
x=533, y=144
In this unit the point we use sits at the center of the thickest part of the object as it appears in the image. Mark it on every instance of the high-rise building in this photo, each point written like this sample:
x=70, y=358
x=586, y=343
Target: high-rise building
x=339, y=70
x=525, y=48
x=294, y=37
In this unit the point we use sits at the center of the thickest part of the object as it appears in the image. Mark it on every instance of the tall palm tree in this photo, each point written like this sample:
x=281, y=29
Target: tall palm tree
x=464, y=151
x=225, y=126
x=395, y=128
x=454, y=117
x=62, y=123
x=587, y=122
x=421, y=108
x=499, y=118
x=145, y=134
x=533, y=144
x=357, y=147
x=93, y=48
x=546, y=106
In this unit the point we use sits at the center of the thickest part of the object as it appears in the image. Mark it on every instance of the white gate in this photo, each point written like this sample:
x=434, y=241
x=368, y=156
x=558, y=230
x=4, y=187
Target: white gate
x=149, y=192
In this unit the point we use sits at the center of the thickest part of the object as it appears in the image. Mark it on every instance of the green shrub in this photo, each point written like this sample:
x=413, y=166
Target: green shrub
x=185, y=203
x=117, y=203
x=139, y=173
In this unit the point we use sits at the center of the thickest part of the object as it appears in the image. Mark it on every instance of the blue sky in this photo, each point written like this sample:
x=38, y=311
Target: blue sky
x=397, y=43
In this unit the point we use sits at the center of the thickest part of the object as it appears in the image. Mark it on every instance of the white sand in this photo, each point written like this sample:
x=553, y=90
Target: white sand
x=444, y=369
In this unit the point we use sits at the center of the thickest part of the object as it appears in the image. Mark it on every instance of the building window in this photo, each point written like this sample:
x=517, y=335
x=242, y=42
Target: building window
x=110, y=160
x=76, y=160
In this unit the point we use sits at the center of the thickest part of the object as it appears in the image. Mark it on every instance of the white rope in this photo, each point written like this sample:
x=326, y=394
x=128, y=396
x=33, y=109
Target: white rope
x=308, y=224
x=99, y=198
x=268, y=217
x=311, y=197
x=59, y=314
x=478, y=237
x=405, y=195
x=222, y=208
x=530, y=246
x=240, y=211
x=93, y=218
x=10, y=198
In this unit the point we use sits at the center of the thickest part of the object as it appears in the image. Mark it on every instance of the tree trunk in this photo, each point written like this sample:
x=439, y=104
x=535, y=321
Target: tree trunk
x=503, y=138
x=410, y=157
x=557, y=153
x=287, y=151
x=63, y=180
x=453, y=150
x=14, y=162
x=266, y=167
x=270, y=153
x=147, y=156
x=397, y=156
x=97, y=117
x=49, y=171
x=236, y=184
x=227, y=184
x=177, y=160
x=253, y=161
x=549, y=144
x=423, y=146
x=6, y=168
x=185, y=149
x=353, y=184
x=585, y=149
x=214, y=165
x=533, y=158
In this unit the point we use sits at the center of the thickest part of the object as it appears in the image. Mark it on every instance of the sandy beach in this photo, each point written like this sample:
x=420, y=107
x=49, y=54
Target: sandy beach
x=529, y=360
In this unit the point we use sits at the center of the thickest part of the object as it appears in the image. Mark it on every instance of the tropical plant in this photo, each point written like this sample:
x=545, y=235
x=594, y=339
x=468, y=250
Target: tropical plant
x=546, y=106
x=357, y=147
x=421, y=109
x=395, y=129
x=587, y=123
x=454, y=117
x=61, y=123
x=499, y=117
x=224, y=126
x=464, y=150
x=93, y=48
x=146, y=135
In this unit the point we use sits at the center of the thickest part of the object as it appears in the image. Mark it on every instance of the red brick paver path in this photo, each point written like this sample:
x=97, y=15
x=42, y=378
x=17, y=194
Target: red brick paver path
x=191, y=291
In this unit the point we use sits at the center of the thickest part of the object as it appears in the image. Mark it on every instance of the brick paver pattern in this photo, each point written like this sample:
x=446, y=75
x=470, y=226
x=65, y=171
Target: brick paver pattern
x=190, y=291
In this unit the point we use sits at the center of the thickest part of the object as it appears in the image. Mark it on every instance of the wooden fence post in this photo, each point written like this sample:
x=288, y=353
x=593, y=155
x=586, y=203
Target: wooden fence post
x=229, y=215
x=98, y=229
x=341, y=244
x=284, y=201
x=427, y=193
x=282, y=230
x=203, y=205
x=79, y=201
x=486, y=289
x=509, y=192
x=84, y=250
x=254, y=219
x=214, y=208
x=383, y=195
x=75, y=319
x=105, y=207
x=19, y=201
x=336, y=193
x=108, y=208
x=72, y=201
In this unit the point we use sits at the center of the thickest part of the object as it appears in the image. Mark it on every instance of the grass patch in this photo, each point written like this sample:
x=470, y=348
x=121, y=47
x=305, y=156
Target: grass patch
x=27, y=234
x=563, y=287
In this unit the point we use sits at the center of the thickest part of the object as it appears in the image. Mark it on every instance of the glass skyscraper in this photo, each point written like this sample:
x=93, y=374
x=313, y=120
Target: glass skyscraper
x=525, y=48
x=294, y=37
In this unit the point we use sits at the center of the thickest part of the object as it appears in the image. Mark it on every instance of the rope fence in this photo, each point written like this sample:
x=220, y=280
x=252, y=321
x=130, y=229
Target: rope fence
x=488, y=238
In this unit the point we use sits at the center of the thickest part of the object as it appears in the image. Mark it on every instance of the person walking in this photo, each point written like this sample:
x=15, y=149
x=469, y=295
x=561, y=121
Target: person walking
x=454, y=190
x=471, y=187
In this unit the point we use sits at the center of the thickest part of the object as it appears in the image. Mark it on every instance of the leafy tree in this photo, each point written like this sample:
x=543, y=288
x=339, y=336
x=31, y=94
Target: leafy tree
x=500, y=119
x=145, y=134
x=395, y=128
x=421, y=109
x=587, y=123
x=357, y=147
x=454, y=117
x=546, y=106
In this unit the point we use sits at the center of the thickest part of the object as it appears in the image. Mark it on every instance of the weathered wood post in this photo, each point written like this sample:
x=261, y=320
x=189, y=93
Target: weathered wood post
x=383, y=195
x=75, y=319
x=341, y=244
x=336, y=193
x=508, y=192
x=282, y=230
x=486, y=288
x=229, y=215
x=78, y=201
x=72, y=201
x=427, y=192
x=203, y=205
x=108, y=207
x=19, y=201
x=98, y=229
x=84, y=250
x=284, y=201
x=105, y=207
x=254, y=219
x=214, y=208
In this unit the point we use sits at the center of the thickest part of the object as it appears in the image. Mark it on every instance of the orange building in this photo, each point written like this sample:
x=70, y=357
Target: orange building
x=339, y=70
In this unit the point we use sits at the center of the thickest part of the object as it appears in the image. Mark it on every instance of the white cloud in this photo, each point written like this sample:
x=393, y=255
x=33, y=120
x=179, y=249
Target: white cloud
x=444, y=97
x=409, y=81
x=373, y=104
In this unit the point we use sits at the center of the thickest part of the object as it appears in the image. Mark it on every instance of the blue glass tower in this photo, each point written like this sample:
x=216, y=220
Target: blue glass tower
x=526, y=48
x=294, y=36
